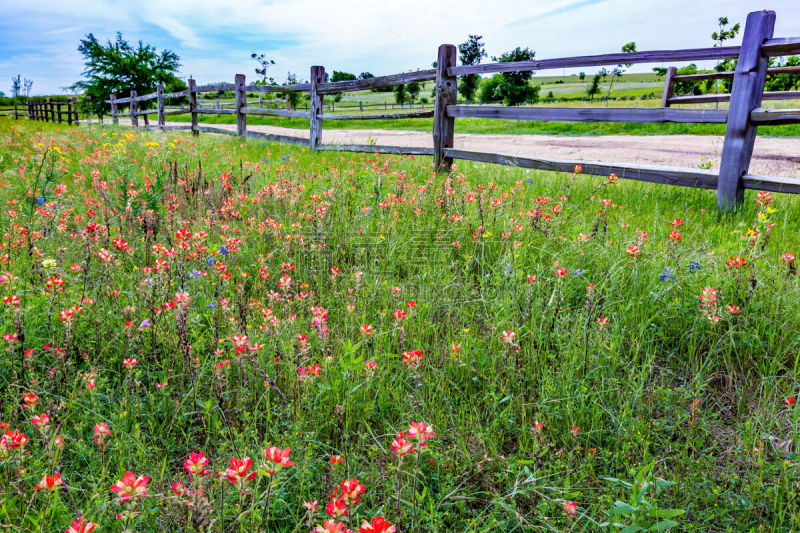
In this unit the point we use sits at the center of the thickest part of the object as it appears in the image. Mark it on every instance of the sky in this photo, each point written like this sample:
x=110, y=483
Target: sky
x=214, y=39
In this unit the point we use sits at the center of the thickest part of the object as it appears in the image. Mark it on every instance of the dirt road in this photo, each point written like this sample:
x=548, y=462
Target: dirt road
x=771, y=157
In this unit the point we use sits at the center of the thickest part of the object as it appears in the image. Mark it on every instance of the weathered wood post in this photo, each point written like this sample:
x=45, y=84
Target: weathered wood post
x=260, y=102
x=317, y=77
x=114, y=111
x=69, y=112
x=160, y=104
x=669, y=87
x=217, y=106
x=16, y=115
x=241, y=101
x=740, y=132
x=361, y=106
x=288, y=103
x=444, y=126
x=193, y=104
x=133, y=109
x=58, y=112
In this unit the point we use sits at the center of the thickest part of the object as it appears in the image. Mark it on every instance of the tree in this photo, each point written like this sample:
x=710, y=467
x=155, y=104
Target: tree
x=618, y=70
x=786, y=81
x=719, y=38
x=488, y=90
x=262, y=68
x=514, y=87
x=400, y=94
x=594, y=88
x=470, y=52
x=16, y=86
x=582, y=76
x=366, y=76
x=342, y=76
x=119, y=68
x=28, y=85
x=413, y=90
x=293, y=96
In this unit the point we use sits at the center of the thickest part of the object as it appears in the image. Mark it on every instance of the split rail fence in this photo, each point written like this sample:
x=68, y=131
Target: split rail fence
x=742, y=118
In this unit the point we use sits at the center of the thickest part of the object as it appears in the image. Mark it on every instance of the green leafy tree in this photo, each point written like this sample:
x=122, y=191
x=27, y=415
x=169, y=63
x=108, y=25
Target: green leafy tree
x=400, y=94
x=294, y=97
x=488, y=90
x=262, y=69
x=470, y=52
x=515, y=87
x=413, y=89
x=594, y=88
x=725, y=33
x=619, y=70
x=342, y=76
x=117, y=67
x=366, y=76
x=786, y=81
x=582, y=76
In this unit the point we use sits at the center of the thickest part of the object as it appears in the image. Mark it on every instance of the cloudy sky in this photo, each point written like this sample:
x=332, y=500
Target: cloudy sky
x=39, y=38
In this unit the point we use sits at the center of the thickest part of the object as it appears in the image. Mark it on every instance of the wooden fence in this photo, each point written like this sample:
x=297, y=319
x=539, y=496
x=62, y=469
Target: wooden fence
x=672, y=78
x=15, y=111
x=742, y=118
x=50, y=111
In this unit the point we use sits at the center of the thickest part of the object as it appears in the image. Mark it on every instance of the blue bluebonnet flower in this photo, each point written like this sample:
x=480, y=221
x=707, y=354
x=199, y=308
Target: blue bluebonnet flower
x=694, y=265
x=40, y=200
x=509, y=270
x=194, y=273
x=265, y=160
x=211, y=261
x=223, y=250
x=667, y=275
x=212, y=305
x=284, y=158
x=578, y=272
x=530, y=180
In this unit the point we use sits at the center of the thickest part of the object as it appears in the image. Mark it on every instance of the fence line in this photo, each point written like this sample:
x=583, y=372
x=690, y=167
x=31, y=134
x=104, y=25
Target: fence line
x=742, y=118
x=50, y=111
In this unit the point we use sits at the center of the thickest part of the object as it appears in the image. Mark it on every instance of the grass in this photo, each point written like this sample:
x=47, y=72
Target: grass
x=561, y=399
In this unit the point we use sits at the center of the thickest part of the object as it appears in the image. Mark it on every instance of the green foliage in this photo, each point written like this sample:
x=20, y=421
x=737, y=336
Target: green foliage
x=119, y=68
x=400, y=94
x=294, y=97
x=594, y=89
x=366, y=76
x=413, y=89
x=342, y=76
x=515, y=88
x=470, y=52
x=787, y=81
x=641, y=512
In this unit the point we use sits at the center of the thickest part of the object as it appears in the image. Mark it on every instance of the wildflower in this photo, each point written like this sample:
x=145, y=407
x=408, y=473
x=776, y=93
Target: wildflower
x=30, y=399
x=674, y=237
x=708, y=298
x=366, y=330
x=129, y=363
x=789, y=402
x=676, y=222
x=101, y=431
x=736, y=262
x=763, y=198
x=238, y=473
x=694, y=265
x=81, y=525
x=570, y=509
x=196, y=464
x=734, y=309
x=667, y=275
x=787, y=258
x=378, y=525
x=41, y=421
x=130, y=486
x=401, y=446
x=351, y=490
x=50, y=483
x=537, y=428
x=633, y=251
x=508, y=337
x=412, y=357
x=13, y=439
x=330, y=526
x=575, y=430
x=420, y=431
x=560, y=272
x=336, y=459
x=602, y=322
x=336, y=507
x=310, y=506
x=276, y=459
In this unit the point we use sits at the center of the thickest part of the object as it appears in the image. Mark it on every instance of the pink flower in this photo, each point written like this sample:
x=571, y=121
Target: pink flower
x=238, y=473
x=50, y=483
x=420, y=431
x=130, y=486
x=196, y=464
x=378, y=525
x=570, y=509
x=81, y=525
x=276, y=459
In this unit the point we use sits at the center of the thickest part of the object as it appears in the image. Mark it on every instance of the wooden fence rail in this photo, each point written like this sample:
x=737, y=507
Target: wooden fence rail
x=50, y=111
x=742, y=118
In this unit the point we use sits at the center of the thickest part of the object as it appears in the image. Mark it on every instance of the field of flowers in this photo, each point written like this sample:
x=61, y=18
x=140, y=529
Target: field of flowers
x=216, y=335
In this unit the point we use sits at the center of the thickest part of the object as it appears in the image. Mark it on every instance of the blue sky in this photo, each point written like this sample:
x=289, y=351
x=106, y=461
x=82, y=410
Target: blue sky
x=39, y=39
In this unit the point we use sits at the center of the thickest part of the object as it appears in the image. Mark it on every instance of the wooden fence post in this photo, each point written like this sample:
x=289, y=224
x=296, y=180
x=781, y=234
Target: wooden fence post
x=288, y=103
x=16, y=115
x=669, y=87
x=58, y=112
x=69, y=112
x=317, y=77
x=160, y=103
x=193, y=105
x=444, y=126
x=114, y=110
x=241, y=101
x=260, y=102
x=133, y=109
x=740, y=132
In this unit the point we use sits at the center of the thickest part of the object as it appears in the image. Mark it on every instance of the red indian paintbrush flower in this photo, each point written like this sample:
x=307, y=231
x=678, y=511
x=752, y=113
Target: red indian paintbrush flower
x=401, y=446
x=81, y=525
x=130, y=486
x=196, y=464
x=378, y=525
x=50, y=483
x=420, y=431
x=238, y=473
x=276, y=459
x=331, y=526
x=351, y=490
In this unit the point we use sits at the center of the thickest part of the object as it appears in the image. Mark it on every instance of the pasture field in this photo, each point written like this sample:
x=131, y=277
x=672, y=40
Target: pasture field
x=223, y=335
